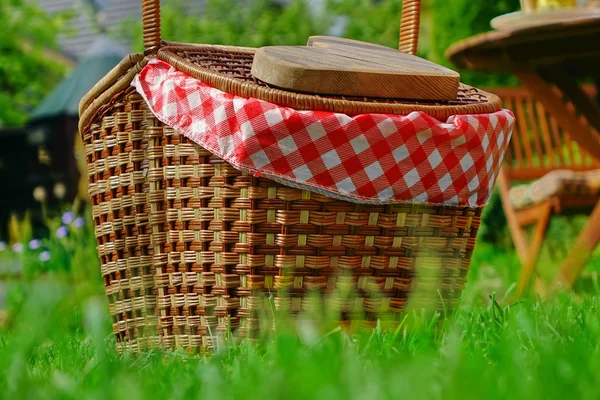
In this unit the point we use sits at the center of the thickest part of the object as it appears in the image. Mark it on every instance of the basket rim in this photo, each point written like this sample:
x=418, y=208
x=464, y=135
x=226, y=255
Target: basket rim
x=302, y=101
x=122, y=75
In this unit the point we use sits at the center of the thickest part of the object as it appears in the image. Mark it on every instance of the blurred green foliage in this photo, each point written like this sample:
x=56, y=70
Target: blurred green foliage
x=369, y=21
x=455, y=20
x=228, y=22
x=26, y=73
x=263, y=23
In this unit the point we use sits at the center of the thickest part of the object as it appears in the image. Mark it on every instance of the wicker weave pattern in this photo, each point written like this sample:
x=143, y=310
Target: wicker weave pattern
x=116, y=158
x=193, y=246
x=409, y=26
x=224, y=241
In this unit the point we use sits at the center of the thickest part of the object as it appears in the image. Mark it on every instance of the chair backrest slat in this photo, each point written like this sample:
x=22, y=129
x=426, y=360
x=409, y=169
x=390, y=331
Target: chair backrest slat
x=534, y=133
x=516, y=148
x=542, y=117
x=560, y=141
x=556, y=138
x=523, y=135
x=539, y=145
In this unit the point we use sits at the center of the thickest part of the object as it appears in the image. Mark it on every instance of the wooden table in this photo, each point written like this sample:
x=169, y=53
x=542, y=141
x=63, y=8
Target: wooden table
x=555, y=53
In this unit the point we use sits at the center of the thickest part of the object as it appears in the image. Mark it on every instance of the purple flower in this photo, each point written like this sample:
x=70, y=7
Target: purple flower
x=2, y=246
x=79, y=222
x=67, y=218
x=18, y=247
x=62, y=232
x=35, y=244
x=44, y=256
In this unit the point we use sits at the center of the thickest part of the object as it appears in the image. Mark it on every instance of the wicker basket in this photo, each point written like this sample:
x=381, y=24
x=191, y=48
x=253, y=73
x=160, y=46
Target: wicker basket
x=189, y=245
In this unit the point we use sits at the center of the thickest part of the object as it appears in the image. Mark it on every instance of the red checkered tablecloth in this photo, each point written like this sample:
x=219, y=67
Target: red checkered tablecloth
x=368, y=158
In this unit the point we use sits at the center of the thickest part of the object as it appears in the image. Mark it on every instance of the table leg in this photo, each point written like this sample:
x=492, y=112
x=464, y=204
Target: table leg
x=580, y=253
x=552, y=102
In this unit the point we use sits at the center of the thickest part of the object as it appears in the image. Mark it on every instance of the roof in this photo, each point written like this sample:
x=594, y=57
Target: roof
x=100, y=58
x=75, y=44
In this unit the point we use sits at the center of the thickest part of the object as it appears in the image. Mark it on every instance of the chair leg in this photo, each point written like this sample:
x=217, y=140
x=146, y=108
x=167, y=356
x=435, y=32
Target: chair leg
x=580, y=253
x=533, y=252
x=527, y=253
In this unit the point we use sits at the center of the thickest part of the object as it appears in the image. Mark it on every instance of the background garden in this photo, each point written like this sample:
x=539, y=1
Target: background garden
x=55, y=331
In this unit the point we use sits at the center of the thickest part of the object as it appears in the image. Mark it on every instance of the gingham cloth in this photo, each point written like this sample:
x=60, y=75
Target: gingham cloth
x=368, y=158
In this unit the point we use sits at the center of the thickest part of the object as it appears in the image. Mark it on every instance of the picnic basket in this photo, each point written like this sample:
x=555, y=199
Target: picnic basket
x=191, y=247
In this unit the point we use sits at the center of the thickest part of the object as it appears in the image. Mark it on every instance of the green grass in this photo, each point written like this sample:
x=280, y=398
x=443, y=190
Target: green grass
x=59, y=346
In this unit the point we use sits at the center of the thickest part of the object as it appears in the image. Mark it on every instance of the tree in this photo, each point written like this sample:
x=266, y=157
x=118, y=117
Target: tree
x=26, y=73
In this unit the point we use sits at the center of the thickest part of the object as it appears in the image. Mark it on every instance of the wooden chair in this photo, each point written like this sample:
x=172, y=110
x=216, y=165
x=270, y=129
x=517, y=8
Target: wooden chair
x=561, y=178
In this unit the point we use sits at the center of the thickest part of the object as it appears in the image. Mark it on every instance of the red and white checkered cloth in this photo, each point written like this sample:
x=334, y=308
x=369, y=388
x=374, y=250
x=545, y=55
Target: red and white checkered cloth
x=369, y=158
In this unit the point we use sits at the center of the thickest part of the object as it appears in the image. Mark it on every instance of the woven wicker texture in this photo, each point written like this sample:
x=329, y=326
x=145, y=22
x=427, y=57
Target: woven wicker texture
x=190, y=247
x=185, y=236
x=116, y=158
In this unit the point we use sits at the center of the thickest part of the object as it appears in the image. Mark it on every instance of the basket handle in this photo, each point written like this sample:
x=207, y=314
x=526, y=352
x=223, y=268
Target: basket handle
x=409, y=26
x=151, y=23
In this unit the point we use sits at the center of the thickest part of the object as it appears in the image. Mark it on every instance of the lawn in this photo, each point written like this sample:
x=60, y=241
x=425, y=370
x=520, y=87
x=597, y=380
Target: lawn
x=58, y=344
